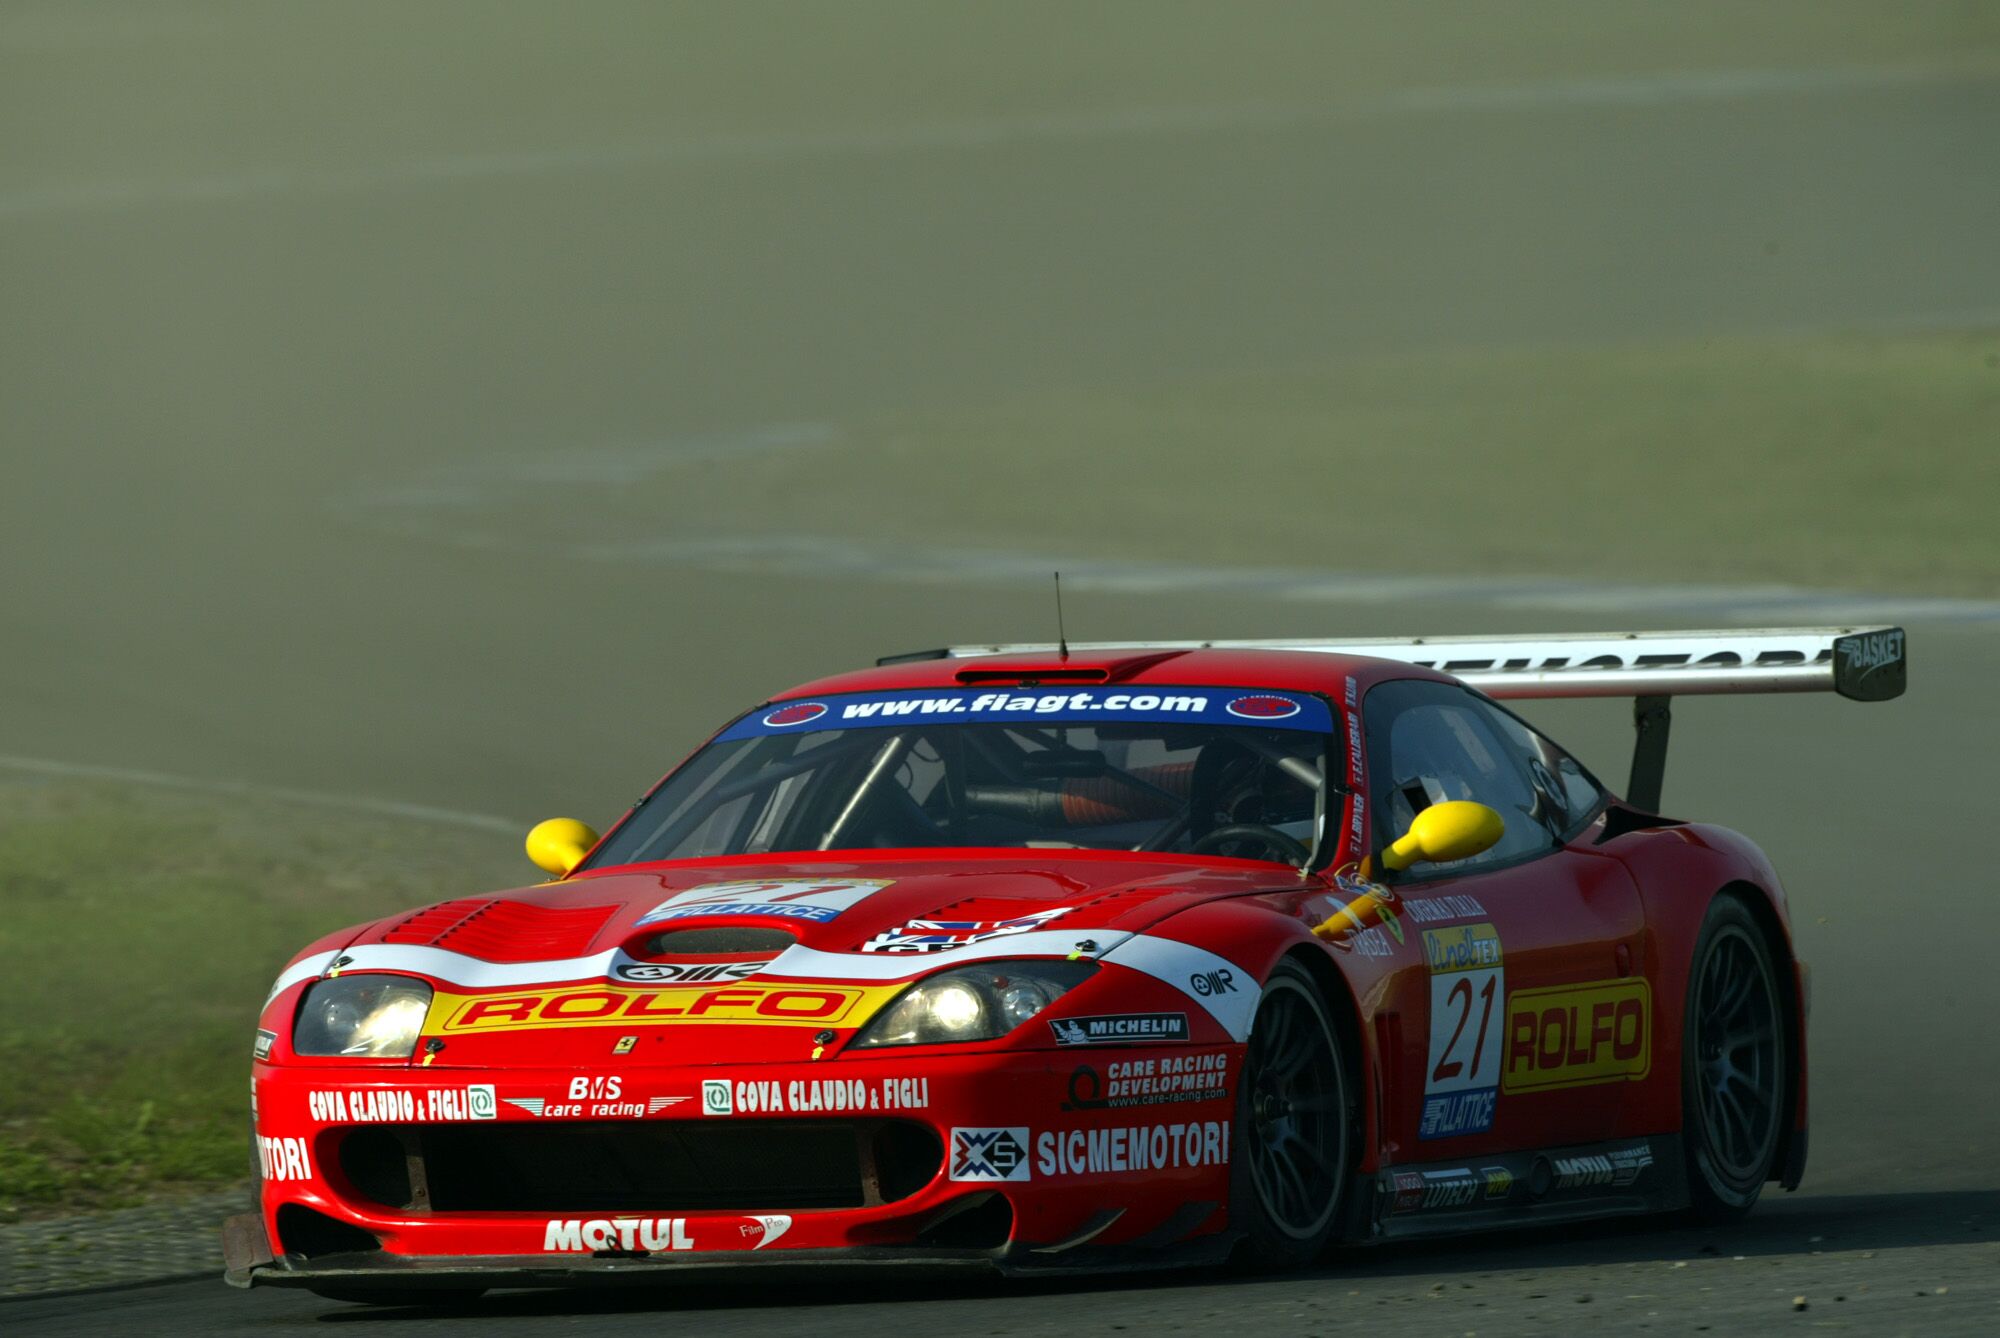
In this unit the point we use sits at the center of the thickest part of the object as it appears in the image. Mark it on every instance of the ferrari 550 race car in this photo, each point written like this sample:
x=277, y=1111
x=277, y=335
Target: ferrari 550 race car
x=1047, y=959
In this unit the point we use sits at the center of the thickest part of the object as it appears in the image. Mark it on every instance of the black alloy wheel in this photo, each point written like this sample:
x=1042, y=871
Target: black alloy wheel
x=1291, y=1147
x=1734, y=1066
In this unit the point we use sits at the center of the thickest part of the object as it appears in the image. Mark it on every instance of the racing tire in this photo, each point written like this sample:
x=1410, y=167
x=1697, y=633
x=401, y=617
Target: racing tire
x=1735, y=1064
x=1291, y=1142
x=436, y=1298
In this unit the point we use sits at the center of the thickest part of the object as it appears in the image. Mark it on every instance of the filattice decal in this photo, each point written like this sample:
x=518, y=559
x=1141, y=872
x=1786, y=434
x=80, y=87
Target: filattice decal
x=742, y=1004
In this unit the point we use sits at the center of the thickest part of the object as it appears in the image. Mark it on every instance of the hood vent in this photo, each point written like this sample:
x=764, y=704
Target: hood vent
x=503, y=931
x=722, y=939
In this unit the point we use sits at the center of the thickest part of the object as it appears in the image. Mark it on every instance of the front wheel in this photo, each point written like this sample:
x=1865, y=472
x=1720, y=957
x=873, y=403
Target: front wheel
x=1290, y=1146
x=1734, y=1065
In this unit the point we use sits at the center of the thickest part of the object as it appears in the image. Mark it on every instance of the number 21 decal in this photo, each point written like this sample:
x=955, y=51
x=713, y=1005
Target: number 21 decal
x=1468, y=985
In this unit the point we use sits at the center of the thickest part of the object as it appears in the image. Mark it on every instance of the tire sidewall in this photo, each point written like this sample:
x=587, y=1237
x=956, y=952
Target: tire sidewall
x=1266, y=1246
x=1713, y=1193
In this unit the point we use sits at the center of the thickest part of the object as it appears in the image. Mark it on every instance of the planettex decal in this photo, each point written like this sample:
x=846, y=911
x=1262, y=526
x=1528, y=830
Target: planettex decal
x=742, y=1004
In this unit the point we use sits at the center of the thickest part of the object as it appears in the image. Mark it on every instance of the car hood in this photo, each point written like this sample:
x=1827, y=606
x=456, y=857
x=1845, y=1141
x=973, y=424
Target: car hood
x=777, y=954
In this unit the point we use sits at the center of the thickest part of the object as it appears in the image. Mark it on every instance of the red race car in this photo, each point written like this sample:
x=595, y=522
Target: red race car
x=1047, y=959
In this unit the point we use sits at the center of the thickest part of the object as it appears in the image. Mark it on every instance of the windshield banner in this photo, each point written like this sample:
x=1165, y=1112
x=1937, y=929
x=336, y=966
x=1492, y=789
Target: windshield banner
x=1021, y=705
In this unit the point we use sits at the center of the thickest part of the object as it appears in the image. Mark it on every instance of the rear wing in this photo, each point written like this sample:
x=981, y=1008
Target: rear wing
x=1866, y=664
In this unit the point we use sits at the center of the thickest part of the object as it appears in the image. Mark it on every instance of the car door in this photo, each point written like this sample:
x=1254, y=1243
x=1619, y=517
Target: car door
x=1524, y=1019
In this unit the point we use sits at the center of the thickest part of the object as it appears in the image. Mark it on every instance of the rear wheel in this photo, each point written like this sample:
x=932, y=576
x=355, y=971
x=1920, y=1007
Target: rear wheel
x=1734, y=1065
x=1290, y=1145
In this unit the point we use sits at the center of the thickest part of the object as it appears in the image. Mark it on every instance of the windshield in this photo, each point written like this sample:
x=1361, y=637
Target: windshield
x=1199, y=770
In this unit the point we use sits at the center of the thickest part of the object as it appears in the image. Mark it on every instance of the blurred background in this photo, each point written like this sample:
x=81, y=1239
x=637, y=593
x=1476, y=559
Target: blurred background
x=417, y=421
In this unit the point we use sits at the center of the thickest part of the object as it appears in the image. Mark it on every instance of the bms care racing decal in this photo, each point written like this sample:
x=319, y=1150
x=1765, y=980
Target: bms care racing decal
x=742, y=1004
x=1468, y=987
x=815, y=899
x=1577, y=1035
x=1185, y=705
x=945, y=935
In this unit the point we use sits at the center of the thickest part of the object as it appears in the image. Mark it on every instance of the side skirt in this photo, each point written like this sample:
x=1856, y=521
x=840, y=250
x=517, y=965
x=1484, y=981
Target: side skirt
x=1509, y=1189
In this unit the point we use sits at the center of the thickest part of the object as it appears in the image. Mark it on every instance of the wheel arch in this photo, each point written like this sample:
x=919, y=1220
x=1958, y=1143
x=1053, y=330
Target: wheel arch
x=1788, y=1168
x=1363, y=1074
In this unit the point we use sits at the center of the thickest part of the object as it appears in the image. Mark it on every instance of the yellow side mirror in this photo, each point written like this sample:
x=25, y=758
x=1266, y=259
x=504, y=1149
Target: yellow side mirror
x=559, y=844
x=1456, y=829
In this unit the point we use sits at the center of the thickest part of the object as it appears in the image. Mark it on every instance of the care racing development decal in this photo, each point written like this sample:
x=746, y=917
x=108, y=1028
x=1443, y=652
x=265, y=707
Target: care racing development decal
x=1189, y=705
x=919, y=936
x=815, y=899
x=1154, y=1080
x=1578, y=1035
x=1468, y=992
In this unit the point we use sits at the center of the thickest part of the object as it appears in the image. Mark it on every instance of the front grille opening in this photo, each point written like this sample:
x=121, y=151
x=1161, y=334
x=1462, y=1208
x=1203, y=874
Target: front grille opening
x=377, y=1165
x=907, y=1157
x=672, y=1166
x=982, y=1222
x=311, y=1234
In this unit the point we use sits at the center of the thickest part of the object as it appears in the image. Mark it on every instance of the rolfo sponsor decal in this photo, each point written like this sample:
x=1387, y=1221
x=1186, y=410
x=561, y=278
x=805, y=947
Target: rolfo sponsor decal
x=283, y=1158
x=815, y=899
x=1137, y=1147
x=990, y=1154
x=1119, y=1028
x=1577, y=1035
x=743, y=1004
x=1155, y=1080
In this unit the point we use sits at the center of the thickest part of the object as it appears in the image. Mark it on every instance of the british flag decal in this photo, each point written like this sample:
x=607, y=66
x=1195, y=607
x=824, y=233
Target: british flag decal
x=944, y=935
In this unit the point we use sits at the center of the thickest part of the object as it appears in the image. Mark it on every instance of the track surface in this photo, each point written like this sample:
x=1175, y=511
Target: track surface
x=183, y=597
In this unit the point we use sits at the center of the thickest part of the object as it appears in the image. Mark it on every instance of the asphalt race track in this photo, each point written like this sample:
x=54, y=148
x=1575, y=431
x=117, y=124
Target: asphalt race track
x=243, y=626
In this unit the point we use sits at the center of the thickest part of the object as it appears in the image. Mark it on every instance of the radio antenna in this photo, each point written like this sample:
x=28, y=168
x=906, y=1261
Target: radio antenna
x=1062, y=637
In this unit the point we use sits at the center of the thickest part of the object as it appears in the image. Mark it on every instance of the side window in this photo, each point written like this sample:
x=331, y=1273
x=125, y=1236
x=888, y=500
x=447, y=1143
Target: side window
x=1432, y=742
x=1569, y=795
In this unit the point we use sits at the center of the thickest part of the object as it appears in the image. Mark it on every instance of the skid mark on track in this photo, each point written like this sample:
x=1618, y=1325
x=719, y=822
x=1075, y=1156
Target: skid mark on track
x=444, y=171
x=389, y=808
x=477, y=505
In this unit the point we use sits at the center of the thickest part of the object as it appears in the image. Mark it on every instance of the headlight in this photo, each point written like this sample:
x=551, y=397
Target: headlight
x=972, y=1003
x=371, y=1016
